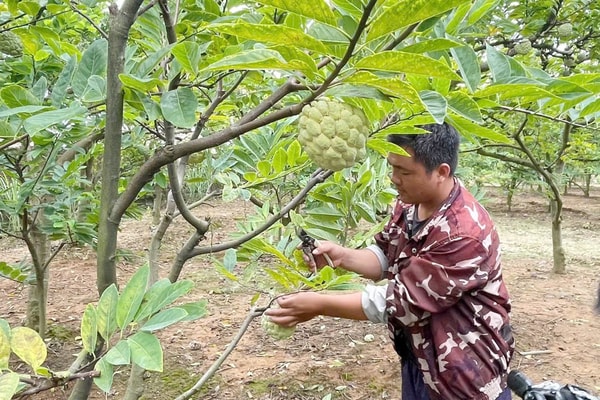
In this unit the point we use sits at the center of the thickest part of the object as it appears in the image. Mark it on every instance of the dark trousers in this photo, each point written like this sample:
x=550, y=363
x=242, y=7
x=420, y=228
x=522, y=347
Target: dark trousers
x=413, y=387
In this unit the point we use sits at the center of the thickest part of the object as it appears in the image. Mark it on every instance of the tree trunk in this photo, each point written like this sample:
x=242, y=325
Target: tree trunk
x=135, y=384
x=157, y=204
x=587, y=181
x=121, y=21
x=558, y=251
x=39, y=249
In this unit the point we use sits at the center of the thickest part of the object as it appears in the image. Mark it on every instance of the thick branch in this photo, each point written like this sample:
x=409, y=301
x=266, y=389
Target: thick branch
x=47, y=384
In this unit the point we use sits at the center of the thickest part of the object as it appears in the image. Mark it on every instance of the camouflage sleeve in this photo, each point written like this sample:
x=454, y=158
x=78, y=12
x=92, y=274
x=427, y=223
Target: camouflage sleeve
x=436, y=278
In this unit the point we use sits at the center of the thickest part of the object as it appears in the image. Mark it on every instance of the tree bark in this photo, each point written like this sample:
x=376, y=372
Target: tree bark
x=38, y=293
x=121, y=21
x=558, y=251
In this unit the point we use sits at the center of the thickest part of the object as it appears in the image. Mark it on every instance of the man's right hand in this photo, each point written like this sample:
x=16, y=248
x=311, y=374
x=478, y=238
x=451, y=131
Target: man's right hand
x=323, y=250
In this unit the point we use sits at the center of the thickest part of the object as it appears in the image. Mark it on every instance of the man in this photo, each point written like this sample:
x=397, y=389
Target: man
x=445, y=304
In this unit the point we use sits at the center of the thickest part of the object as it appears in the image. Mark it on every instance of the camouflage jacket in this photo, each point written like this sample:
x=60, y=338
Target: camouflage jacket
x=447, y=298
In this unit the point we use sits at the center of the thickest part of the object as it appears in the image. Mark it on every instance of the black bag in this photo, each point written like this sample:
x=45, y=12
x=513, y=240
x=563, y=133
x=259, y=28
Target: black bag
x=547, y=390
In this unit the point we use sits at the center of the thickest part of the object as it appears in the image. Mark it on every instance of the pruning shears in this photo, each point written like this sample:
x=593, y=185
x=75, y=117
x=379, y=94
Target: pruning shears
x=308, y=244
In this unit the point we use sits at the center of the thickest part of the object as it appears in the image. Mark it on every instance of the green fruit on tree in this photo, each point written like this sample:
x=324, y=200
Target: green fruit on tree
x=565, y=30
x=10, y=44
x=333, y=134
x=277, y=332
x=523, y=47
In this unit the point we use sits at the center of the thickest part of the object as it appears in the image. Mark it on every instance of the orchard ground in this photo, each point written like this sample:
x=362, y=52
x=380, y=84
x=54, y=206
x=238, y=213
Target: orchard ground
x=558, y=336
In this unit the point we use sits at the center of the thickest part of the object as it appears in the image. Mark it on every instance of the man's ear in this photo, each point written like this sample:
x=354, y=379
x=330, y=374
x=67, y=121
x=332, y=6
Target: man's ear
x=444, y=170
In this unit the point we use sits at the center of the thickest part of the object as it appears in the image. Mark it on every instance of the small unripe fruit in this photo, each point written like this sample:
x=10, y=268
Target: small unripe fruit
x=275, y=331
x=565, y=30
x=523, y=47
x=10, y=44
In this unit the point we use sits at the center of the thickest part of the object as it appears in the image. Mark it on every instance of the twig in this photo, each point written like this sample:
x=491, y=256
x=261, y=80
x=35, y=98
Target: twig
x=534, y=352
x=254, y=312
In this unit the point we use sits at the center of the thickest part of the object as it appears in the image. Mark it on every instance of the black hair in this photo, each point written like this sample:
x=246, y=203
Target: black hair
x=438, y=146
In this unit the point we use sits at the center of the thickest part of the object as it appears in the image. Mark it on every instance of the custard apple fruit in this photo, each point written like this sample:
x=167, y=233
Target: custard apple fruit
x=523, y=47
x=333, y=134
x=277, y=332
x=10, y=44
x=565, y=30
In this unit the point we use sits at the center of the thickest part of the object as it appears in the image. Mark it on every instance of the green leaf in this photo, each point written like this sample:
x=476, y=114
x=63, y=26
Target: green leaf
x=407, y=12
x=260, y=245
x=506, y=91
x=143, y=85
x=279, y=160
x=410, y=63
x=297, y=60
x=16, y=96
x=384, y=147
x=189, y=55
x=27, y=110
x=146, y=351
x=590, y=109
x=294, y=153
x=315, y=9
x=164, y=318
x=131, y=297
x=255, y=59
x=436, y=104
x=468, y=64
x=464, y=105
x=194, y=310
x=275, y=34
x=13, y=272
x=9, y=383
x=28, y=346
x=46, y=119
x=4, y=349
x=106, y=312
x=59, y=90
x=479, y=9
x=456, y=18
x=179, y=107
x=466, y=127
x=119, y=354
x=93, y=62
x=395, y=87
x=105, y=380
x=95, y=90
x=431, y=45
x=172, y=293
x=499, y=64
x=230, y=259
x=89, y=329
x=264, y=168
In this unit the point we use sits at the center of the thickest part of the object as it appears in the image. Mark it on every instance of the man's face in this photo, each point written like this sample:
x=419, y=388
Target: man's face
x=412, y=181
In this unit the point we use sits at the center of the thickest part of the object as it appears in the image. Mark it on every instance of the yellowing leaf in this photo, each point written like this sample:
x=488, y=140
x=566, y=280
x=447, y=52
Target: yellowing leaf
x=407, y=12
x=28, y=346
x=410, y=63
x=315, y=9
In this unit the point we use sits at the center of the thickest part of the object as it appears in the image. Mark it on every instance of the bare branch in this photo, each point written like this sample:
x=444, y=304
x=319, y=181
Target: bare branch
x=72, y=4
x=318, y=177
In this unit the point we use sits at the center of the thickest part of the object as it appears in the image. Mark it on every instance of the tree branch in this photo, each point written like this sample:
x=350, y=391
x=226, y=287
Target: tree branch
x=318, y=177
x=538, y=114
x=254, y=312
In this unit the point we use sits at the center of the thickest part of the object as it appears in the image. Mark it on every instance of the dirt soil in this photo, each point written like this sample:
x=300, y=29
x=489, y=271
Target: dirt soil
x=558, y=336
